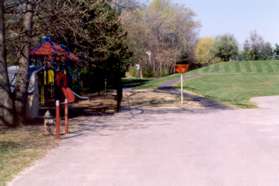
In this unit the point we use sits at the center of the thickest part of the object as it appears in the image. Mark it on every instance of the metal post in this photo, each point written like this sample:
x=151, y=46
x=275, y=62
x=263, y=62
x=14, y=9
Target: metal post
x=181, y=81
x=57, y=131
x=66, y=117
x=105, y=87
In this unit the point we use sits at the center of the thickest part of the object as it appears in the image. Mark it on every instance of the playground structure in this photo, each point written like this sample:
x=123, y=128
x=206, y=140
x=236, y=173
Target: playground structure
x=53, y=76
x=58, y=73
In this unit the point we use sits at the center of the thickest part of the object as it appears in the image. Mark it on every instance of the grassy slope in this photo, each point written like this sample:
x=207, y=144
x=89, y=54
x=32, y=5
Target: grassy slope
x=156, y=82
x=236, y=82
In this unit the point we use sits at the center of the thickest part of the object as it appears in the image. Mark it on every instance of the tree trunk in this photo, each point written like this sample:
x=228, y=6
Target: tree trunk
x=119, y=93
x=22, y=76
x=6, y=103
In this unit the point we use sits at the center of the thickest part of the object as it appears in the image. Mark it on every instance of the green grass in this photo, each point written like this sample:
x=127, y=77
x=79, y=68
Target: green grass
x=153, y=83
x=135, y=82
x=19, y=148
x=232, y=82
x=236, y=82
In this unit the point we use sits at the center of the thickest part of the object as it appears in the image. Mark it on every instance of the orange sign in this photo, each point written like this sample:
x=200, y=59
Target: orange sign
x=181, y=68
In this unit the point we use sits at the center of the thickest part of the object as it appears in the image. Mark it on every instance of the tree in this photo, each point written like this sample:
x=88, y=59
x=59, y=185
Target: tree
x=226, y=47
x=165, y=30
x=204, y=51
x=267, y=51
x=93, y=30
x=6, y=103
x=245, y=54
x=276, y=51
x=22, y=75
x=255, y=48
x=89, y=27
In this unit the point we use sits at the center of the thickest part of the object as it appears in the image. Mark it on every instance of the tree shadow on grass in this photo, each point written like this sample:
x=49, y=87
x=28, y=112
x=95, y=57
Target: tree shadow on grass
x=131, y=83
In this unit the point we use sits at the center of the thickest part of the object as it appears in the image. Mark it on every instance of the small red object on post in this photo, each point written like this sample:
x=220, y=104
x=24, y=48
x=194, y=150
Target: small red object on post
x=181, y=68
x=57, y=131
x=66, y=117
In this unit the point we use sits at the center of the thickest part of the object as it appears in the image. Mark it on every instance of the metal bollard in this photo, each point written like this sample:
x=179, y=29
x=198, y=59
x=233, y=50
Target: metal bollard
x=66, y=119
x=57, y=104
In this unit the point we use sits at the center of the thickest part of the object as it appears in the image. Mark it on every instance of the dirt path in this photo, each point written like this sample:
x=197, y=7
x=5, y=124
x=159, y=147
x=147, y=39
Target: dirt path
x=182, y=148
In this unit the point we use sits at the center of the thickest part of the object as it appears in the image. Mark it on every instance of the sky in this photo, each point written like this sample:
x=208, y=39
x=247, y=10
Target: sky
x=237, y=17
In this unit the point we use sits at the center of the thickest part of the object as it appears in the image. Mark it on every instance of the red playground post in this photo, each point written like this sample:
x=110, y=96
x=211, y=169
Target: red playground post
x=66, y=117
x=57, y=120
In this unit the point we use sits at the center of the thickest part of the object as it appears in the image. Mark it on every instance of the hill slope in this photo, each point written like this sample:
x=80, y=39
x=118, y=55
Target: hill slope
x=235, y=82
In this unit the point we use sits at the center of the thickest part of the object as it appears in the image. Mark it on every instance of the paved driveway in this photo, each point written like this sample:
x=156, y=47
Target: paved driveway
x=140, y=148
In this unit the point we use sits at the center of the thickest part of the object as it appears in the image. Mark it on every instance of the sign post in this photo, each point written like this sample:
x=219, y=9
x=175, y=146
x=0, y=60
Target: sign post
x=181, y=68
x=181, y=89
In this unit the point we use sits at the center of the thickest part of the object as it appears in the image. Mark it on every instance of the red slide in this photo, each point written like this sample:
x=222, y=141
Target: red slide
x=68, y=93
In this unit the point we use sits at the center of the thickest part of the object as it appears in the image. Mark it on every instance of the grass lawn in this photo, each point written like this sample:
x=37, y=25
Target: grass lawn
x=19, y=147
x=158, y=82
x=147, y=83
x=232, y=82
x=236, y=82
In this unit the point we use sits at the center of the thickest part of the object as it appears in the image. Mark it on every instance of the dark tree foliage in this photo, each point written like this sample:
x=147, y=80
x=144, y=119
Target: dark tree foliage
x=90, y=28
x=255, y=48
x=276, y=51
x=226, y=47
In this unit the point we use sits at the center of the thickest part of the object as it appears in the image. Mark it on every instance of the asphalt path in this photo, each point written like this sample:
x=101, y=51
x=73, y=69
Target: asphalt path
x=223, y=147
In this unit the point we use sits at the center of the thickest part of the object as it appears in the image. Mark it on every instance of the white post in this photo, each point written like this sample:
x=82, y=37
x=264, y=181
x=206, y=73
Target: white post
x=181, y=80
